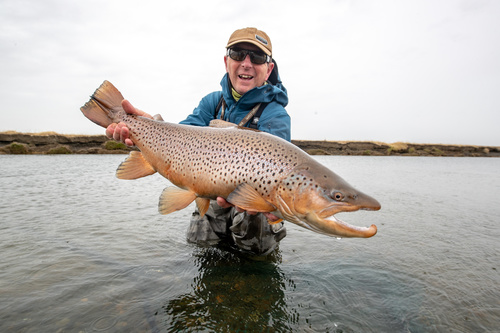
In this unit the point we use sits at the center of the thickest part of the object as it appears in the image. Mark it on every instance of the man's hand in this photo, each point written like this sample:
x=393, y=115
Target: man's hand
x=224, y=204
x=120, y=131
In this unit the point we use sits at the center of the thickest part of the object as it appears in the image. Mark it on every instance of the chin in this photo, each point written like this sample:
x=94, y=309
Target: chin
x=242, y=90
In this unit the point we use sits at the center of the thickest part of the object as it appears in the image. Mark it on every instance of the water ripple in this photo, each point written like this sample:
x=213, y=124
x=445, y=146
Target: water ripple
x=77, y=256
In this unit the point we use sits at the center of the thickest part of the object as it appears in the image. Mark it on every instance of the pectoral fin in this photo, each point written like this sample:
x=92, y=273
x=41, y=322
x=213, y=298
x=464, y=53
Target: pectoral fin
x=247, y=198
x=173, y=199
x=203, y=205
x=135, y=166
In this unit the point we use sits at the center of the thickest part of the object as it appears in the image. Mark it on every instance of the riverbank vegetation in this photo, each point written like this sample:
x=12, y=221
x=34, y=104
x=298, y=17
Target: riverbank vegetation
x=12, y=142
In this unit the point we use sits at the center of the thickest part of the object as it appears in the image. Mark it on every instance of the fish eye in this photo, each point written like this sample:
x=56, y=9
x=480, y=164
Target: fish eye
x=338, y=196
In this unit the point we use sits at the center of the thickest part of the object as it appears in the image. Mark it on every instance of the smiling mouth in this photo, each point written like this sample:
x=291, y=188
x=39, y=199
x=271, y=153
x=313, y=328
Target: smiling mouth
x=245, y=77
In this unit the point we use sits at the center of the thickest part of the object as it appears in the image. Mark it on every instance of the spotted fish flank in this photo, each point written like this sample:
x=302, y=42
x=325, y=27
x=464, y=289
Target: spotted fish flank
x=252, y=170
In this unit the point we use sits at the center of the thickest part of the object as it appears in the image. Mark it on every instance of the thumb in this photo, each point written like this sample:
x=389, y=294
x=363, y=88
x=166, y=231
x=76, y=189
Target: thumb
x=130, y=109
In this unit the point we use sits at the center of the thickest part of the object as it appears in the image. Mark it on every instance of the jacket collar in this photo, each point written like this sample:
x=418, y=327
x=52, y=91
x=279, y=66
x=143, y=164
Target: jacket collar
x=262, y=94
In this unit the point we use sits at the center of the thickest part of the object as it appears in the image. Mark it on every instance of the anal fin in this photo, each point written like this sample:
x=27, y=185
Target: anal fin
x=203, y=205
x=135, y=166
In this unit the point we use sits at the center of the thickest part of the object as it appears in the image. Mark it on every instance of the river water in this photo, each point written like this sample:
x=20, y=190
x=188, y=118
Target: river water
x=82, y=251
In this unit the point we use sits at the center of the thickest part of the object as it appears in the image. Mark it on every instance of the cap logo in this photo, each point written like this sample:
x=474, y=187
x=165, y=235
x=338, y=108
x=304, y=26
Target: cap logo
x=261, y=39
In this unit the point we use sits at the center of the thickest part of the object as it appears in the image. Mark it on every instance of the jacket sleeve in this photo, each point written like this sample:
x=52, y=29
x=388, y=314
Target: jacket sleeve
x=204, y=112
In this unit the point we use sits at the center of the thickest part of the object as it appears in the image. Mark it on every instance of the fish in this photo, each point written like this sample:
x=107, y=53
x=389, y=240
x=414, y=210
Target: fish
x=251, y=169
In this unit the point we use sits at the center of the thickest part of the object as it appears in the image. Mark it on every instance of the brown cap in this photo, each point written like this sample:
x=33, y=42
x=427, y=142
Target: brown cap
x=253, y=36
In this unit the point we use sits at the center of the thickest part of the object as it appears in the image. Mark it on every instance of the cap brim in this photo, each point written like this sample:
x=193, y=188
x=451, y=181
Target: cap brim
x=266, y=51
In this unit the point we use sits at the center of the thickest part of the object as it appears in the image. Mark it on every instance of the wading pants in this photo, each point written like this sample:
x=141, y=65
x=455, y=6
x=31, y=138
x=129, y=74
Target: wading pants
x=249, y=233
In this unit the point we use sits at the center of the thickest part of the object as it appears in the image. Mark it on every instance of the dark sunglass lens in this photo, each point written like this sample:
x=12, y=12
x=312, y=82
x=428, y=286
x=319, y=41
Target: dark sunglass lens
x=237, y=55
x=255, y=57
x=258, y=58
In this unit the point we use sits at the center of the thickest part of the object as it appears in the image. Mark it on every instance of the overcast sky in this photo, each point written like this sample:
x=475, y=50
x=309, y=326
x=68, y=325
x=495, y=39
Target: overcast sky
x=421, y=71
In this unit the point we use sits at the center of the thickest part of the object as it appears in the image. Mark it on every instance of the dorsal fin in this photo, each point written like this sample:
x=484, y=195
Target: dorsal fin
x=218, y=123
x=158, y=117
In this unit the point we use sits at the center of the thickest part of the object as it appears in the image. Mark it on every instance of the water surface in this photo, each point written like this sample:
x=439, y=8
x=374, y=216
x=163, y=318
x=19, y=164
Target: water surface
x=83, y=251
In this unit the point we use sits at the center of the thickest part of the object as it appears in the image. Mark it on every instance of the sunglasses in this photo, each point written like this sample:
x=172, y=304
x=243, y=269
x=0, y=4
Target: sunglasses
x=256, y=57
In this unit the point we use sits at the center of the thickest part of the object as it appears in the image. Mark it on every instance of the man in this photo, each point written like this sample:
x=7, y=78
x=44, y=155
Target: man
x=252, y=96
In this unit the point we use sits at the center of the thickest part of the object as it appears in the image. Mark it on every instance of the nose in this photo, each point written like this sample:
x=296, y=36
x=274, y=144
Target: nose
x=246, y=62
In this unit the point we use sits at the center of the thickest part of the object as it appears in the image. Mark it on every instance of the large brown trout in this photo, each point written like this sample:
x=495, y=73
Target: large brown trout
x=253, y=170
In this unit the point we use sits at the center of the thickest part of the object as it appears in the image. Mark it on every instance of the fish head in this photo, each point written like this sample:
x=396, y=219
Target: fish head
x=312, y=194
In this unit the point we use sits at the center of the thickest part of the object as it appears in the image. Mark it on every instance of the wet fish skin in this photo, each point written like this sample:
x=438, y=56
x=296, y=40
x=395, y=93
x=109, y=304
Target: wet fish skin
x=253, y=170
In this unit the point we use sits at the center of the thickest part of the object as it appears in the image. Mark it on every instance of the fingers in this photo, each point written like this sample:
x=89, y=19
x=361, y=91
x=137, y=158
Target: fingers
x=119, y=132
x=110, y=130
x=224, y=204
x=129, y=142
x=271, y=217
x=124, y=136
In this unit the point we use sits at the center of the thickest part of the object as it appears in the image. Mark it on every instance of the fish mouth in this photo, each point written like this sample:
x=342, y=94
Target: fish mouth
x=335, y=227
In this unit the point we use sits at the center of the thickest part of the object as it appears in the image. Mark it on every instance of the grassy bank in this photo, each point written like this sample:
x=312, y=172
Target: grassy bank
x=12, y=142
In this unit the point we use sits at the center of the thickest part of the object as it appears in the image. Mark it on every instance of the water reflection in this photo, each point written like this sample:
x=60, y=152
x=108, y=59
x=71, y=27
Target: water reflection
x=233, y=293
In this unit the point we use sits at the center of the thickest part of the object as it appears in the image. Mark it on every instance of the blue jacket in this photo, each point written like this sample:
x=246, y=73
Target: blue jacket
x=274, y=118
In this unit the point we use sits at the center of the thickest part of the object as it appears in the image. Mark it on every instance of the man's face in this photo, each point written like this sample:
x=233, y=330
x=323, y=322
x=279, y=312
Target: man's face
x=245, y=75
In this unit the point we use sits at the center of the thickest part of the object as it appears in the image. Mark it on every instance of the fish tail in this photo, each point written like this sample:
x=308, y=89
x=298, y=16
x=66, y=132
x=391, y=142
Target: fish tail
x=103, y=105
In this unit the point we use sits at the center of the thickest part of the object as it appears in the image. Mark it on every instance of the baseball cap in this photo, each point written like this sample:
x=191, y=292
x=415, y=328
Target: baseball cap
x=254, y=36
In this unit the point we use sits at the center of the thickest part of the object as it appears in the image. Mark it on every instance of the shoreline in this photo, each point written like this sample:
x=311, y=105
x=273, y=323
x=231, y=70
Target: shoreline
x=12, y=142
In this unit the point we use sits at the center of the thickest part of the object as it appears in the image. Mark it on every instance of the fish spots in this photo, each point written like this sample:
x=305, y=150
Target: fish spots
x=201, y=157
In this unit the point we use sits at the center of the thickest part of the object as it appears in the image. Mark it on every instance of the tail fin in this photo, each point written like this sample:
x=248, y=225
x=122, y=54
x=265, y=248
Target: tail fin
x=103, y=105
